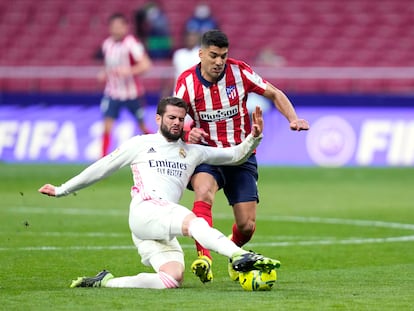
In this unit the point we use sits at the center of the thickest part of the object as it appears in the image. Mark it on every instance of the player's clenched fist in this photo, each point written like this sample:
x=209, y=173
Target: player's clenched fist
x=299, y=125
x=196, y=134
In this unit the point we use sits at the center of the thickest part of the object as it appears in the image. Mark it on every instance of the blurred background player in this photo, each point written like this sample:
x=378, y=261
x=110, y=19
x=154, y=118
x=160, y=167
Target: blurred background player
x=202, y=20
x=184, y=58
x=216, y=91
x=187, y=56
x=152, y=27
x=125, y=60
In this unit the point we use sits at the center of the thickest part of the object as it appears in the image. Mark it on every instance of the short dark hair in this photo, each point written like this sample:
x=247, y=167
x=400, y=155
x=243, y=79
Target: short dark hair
x=170, y=100
x=118, y=16
x=214, y=38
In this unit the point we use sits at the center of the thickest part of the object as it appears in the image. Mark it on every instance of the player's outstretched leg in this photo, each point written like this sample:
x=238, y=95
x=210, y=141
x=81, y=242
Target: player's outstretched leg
x=213, y=239
x=244, y=262
x=201, y=267
x=99, y=280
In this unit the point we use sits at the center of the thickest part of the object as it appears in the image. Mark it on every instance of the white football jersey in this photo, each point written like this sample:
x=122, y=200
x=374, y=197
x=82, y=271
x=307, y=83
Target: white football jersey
x=160, y=169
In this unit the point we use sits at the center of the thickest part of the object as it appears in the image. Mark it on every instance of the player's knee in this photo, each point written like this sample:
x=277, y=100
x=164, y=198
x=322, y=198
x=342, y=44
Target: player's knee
x=247, y=227
x=174, y=274
x=204, y=192
x=172, y=279
x=178, y=277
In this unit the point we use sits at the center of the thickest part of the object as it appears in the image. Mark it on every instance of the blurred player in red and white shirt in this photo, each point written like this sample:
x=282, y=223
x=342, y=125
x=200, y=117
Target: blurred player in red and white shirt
x=216, y=91
x=125, y=60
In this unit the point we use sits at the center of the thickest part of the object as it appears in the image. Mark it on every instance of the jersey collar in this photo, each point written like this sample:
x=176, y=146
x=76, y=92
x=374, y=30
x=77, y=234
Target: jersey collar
x=204, y=81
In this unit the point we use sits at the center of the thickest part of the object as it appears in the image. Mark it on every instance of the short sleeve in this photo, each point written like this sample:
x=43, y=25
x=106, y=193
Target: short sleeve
x=136, y=48
x=253, y=81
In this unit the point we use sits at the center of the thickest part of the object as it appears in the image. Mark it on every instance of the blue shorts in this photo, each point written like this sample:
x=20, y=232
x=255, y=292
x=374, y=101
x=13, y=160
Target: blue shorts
x=111, y=107
x=239, y=183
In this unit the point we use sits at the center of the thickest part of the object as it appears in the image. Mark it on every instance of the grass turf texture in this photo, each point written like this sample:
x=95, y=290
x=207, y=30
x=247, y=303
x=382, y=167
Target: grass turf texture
x=308, y=218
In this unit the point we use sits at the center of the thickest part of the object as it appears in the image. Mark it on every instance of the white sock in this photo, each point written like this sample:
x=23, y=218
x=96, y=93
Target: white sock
x=158, y=280
x=212, y=238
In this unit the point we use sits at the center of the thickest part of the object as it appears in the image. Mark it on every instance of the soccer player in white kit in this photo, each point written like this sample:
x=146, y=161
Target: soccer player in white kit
x=162, y=165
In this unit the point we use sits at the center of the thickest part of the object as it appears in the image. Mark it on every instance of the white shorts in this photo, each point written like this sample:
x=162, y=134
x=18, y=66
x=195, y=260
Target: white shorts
x=155, y=224
x=157, y=253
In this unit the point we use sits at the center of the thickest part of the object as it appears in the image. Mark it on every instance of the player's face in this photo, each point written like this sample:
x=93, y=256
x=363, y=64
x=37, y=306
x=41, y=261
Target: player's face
x=118, y=29
x=213, y=60
x=172, y=122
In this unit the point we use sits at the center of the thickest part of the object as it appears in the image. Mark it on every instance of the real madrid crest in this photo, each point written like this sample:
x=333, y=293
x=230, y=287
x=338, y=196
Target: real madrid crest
x=182, y=153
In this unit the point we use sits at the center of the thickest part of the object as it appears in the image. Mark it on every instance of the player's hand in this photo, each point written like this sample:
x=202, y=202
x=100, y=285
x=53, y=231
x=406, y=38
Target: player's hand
x=196, y=134
x=299, y=125
x=48, y=189
x=257, y=125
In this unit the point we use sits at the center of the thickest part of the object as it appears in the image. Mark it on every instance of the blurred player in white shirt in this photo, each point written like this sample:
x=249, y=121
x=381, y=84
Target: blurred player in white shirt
x=162, y=165
x=125, y=60
x=187, y=56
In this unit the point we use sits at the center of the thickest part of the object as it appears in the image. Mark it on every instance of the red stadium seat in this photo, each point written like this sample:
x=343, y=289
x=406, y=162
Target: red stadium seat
x=20, y=85
x=53, y=85
x=306, y=33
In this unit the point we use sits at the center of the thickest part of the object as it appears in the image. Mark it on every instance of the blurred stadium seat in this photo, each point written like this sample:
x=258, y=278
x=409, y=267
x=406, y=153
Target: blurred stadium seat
x=318, y=33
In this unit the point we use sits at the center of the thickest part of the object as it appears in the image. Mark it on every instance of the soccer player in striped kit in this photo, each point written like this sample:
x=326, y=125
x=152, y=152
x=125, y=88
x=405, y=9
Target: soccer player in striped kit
x=125, y=60
x=216, y=91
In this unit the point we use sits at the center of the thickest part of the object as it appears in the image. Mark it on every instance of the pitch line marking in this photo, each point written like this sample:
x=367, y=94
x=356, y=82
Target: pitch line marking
x=409, y=238
x=71, y=234
x=332, y=221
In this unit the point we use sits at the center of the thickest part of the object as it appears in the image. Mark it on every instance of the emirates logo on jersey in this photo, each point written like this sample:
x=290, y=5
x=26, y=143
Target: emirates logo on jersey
x=231, y=91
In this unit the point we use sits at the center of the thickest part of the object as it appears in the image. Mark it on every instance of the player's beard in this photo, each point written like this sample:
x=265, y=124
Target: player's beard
x=170, y=136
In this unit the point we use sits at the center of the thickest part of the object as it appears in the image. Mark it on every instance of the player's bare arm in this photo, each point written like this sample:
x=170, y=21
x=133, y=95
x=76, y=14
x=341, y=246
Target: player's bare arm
x=101, y=76
x=283, y=104
x=142, y=66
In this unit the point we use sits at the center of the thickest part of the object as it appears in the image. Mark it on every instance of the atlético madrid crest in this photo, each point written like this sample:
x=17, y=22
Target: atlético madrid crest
x=231, y=91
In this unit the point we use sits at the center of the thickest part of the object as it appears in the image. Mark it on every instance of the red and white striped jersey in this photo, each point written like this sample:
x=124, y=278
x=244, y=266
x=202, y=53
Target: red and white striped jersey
x=118, y=54
x=220, y=108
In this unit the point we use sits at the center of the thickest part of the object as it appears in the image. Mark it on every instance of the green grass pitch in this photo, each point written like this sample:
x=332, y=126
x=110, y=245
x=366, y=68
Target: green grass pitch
x=345, y=238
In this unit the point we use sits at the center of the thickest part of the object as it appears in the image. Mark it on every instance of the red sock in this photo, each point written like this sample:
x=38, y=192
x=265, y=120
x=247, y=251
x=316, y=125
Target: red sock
x=203, y=209
x=106, y=140
x=239, y=238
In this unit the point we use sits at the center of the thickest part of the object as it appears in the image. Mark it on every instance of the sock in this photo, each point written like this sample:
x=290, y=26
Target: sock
x=158, y=280
x=203, y=209
x=239, y=238
x=106, y=140
x=212, y=238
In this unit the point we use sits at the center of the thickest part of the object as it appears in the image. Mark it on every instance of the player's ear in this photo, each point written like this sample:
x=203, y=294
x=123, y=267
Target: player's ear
x=158, y=119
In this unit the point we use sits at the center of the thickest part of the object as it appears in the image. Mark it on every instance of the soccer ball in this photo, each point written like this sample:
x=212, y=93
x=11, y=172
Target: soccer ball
x=257, y=280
